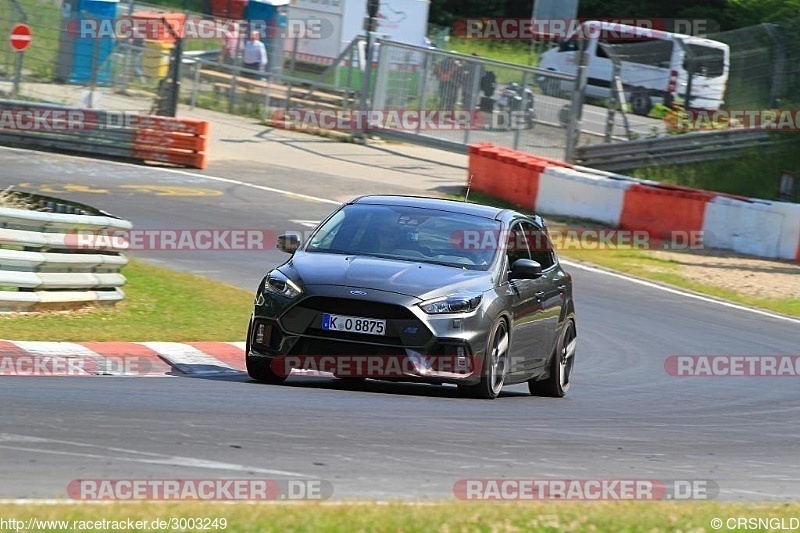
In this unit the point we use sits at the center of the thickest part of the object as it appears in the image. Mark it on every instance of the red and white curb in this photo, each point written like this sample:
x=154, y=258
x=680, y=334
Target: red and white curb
x=36, y=358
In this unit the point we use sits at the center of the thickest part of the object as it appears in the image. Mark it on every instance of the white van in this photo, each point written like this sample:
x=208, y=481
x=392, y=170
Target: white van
x=654, y=68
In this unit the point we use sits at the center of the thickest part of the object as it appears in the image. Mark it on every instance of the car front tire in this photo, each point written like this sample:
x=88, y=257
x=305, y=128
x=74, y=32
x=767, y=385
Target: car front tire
x=260, y=370
x=558, y=382
x=641, y=104
x=495, y=365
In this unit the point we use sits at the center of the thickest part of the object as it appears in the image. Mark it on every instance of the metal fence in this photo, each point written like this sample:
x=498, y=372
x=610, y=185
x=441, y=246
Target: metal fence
x=516, y=106
x=764, y=73
x=764, y=65
x=501, y=100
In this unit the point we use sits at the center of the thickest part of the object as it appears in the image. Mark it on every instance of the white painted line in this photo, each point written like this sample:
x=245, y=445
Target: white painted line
x=62, y=352
x=198, y=175
x=189, y=462
x=189, y=359
x=140, y=456
x=306, y=223
x=679, y=292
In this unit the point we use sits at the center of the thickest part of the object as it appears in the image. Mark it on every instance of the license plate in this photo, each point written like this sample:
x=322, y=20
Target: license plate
x=353, y=324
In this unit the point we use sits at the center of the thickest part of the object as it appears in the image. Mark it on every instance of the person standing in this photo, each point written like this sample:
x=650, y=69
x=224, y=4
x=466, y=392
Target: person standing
x=230, y=44
x=255, y=56
x=448, y=72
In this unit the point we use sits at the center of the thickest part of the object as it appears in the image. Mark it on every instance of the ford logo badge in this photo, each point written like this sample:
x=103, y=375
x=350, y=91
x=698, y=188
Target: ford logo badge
x=358, y=293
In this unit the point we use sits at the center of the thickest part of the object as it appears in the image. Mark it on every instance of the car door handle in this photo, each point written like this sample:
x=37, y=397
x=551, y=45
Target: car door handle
x=561, y=288
x=539, y=294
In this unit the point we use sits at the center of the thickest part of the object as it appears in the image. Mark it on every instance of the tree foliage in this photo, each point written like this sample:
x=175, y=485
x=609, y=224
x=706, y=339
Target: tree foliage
x=727, y=14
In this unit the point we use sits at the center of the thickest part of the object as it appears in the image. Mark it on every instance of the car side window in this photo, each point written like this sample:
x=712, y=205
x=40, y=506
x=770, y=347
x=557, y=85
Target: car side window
x=517, y=244
x=540, y=245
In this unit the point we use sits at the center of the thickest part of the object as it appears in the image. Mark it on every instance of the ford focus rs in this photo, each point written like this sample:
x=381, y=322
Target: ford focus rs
x=419, y=289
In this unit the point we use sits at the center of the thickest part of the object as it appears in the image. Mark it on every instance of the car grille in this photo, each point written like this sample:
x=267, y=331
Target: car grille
x=366, y=309
x=304, y=319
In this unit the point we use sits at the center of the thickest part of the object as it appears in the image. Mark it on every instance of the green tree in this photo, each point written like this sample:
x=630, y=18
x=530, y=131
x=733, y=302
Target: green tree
x=750, y=12
x=446, y=12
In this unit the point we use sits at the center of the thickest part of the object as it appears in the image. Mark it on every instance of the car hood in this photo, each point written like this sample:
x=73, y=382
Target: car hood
x=420, y=280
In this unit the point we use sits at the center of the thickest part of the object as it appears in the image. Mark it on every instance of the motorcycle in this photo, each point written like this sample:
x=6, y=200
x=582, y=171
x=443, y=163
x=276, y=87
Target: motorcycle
x=515, y=99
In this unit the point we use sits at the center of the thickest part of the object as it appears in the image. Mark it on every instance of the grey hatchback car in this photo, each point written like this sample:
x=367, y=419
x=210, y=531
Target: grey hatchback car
x=419, y=289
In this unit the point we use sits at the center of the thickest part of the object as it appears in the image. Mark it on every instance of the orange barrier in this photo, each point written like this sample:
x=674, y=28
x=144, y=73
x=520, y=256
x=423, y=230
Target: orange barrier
x=508, y=174
x=154, y=22
x=170, y=140
x=660, y=210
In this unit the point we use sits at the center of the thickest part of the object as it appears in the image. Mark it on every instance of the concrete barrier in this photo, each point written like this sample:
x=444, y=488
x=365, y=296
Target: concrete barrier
x=755, y=227
x=565, y=192
x=662, y=210
x=107, y=133
x=747, y=227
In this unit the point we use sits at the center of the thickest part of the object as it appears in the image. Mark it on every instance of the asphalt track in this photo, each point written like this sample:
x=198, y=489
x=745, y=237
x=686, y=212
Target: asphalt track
x=624, y=418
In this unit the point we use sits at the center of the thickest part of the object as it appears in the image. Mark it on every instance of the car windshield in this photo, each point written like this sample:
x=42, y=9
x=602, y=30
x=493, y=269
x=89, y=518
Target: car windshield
x=408, y=234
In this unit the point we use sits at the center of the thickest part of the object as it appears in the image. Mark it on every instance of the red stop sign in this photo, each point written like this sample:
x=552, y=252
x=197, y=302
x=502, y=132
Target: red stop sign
x=20, y=37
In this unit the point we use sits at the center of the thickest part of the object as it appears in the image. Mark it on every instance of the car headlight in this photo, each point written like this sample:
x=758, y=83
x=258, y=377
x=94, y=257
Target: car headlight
x=278, y=283
x=451, y=304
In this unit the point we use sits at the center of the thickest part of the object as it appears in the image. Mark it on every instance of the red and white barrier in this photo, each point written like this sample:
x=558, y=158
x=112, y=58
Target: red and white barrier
x=576, y=194
x=754, y=223
x=755, y=227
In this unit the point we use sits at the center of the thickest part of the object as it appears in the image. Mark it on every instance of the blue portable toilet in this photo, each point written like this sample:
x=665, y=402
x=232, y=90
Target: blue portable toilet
x=90, y=53
x=269, y=17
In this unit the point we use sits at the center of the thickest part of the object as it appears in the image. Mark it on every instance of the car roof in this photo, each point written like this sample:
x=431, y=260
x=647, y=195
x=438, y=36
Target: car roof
x=441, y=204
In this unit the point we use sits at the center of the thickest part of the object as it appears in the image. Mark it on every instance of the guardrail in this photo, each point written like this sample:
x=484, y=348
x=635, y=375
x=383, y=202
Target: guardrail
x=40, y=264
x=672, y=150
x=106, y=133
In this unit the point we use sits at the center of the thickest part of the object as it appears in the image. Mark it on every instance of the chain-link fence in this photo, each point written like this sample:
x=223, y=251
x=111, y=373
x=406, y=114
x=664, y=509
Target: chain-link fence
x=65, y=64
x=490, y=101
x=764, y=65
x=740, y=71
x=516, y=106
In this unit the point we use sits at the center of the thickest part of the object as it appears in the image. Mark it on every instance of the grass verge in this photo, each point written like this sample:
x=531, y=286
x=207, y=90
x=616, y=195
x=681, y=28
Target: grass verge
x=159, y=305
x=648, y=264
x=754, y=172
x=617, y=517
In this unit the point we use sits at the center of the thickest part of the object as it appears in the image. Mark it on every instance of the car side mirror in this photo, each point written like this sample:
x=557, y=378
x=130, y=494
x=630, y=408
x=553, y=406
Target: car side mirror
x=525, y=269
x=288, y=243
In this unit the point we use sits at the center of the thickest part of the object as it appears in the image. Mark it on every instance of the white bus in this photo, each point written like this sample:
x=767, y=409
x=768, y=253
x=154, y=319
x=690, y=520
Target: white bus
x=654, y=68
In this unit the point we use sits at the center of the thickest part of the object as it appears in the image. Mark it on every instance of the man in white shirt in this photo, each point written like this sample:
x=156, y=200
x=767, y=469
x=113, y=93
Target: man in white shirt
x=255, y=54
